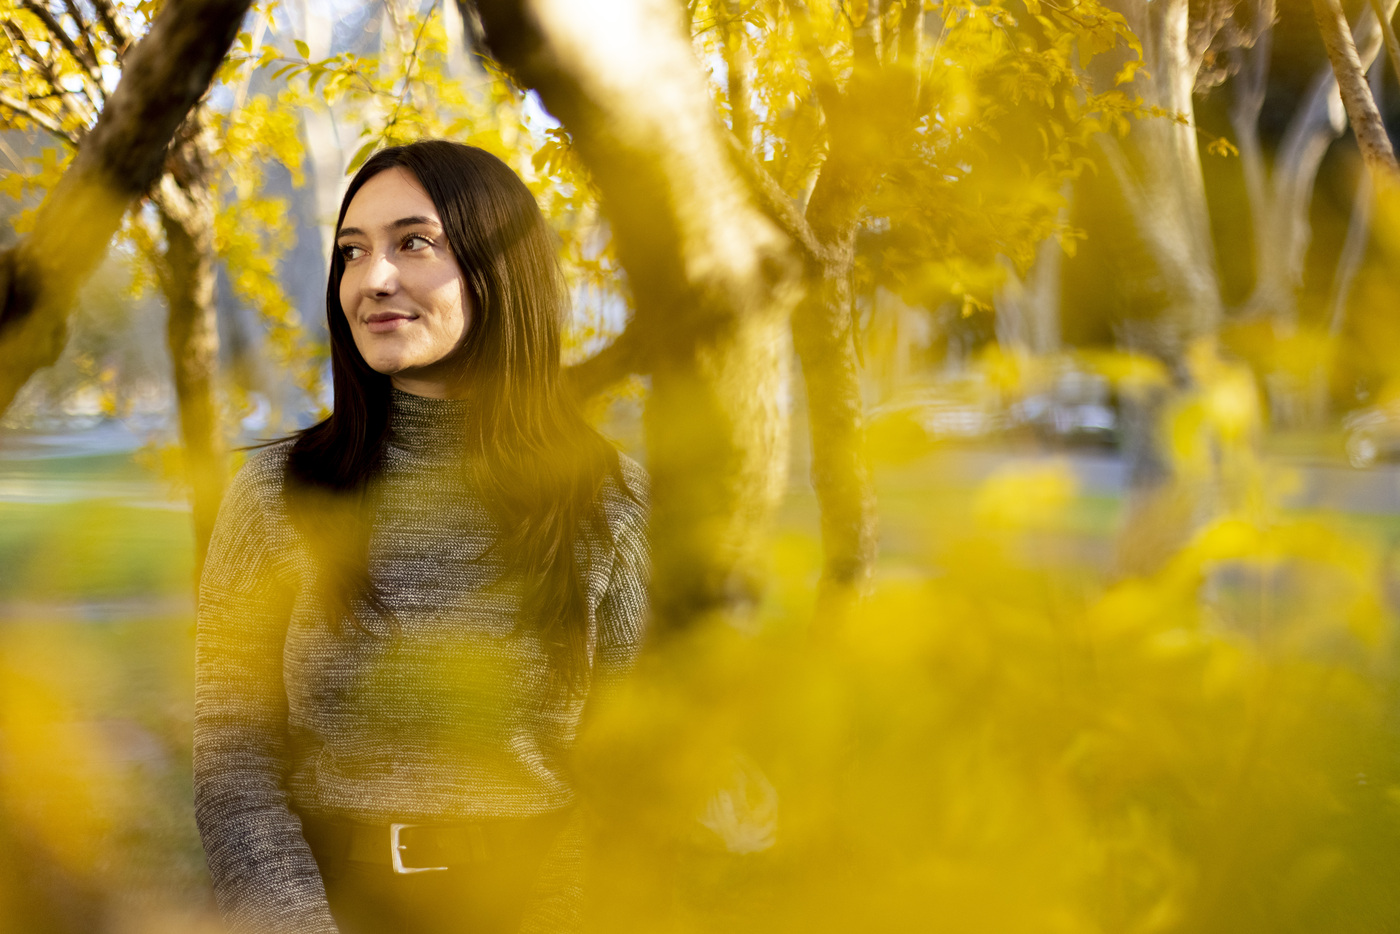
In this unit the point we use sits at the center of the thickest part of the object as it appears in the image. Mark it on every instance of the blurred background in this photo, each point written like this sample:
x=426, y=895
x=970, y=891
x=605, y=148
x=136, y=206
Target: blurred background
x=1073, y=601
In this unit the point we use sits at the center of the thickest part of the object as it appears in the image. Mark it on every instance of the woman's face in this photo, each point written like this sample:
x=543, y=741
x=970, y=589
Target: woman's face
x=402, y=291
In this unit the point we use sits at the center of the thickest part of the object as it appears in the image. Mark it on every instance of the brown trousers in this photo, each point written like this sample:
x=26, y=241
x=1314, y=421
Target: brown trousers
x=484, y=895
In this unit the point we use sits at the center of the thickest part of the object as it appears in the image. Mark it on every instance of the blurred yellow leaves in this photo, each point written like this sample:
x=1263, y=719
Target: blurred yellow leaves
x=1026, y=496
x=1002, y=738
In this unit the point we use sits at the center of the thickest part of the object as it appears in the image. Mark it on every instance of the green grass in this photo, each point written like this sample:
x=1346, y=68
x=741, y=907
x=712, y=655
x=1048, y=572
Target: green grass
x=93, y=550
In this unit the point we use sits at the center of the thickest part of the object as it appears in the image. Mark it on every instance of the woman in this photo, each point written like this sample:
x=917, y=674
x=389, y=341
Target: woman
x=406, y=607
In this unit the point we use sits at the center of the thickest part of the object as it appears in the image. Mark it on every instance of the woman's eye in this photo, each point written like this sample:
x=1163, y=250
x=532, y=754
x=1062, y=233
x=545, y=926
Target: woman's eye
x=349, y=251
x=416, y=242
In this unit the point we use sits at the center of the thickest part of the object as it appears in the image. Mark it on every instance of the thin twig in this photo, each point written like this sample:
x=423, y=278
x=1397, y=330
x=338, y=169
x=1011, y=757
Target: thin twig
x=108, y=16
x=86, y=32
x=55, y=29
x=1392, y=47
x=408, y=71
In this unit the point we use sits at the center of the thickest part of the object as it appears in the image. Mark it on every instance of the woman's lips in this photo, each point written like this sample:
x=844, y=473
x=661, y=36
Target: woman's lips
x=384, y=323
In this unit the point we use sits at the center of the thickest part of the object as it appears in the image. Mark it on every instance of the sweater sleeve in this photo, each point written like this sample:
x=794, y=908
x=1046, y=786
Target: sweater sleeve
x=265, y=878
x=624, y=608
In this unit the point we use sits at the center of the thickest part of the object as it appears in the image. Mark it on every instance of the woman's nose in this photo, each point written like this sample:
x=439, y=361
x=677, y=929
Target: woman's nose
x=382, y=276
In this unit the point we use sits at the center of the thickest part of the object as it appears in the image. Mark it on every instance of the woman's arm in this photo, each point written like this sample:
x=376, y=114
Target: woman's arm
x=265, y=878
x=624, y=608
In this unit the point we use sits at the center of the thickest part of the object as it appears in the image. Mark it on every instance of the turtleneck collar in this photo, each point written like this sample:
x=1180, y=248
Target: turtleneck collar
x=428, y=427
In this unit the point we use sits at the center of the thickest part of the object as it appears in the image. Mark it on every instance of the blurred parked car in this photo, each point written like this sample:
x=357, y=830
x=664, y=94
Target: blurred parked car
x=958, y=409
x=1078, y=408
x=1372, y=434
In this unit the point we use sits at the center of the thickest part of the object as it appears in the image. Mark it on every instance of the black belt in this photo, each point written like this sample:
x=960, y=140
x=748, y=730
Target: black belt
x=433, y=847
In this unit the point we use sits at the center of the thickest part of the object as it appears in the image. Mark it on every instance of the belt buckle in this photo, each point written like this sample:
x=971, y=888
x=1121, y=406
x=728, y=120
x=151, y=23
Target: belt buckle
x=396, y=852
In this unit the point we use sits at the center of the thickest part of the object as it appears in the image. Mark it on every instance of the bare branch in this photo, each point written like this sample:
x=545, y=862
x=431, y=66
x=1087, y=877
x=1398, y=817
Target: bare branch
x=108, y=17
x=1356, y=96
x=119, y=159
x=1392, y=47
x=57, y=31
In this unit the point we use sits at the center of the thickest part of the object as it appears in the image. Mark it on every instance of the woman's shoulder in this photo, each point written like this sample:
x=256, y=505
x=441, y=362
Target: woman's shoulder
x=625, y=496
x=260, y=479
x=251, y=532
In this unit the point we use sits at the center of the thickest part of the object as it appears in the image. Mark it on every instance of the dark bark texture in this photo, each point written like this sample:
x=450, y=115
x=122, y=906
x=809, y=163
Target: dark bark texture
x=119, y=160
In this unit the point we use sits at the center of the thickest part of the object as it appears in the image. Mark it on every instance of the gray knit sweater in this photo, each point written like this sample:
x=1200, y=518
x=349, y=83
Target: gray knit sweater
x=451, y=714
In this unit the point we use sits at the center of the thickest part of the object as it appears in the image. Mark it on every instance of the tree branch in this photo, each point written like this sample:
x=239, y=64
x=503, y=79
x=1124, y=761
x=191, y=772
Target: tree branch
x=775, y=203
x=610, y=365
x=58, y=32
x=1356, y=96
x=85, y=33
x=108, y=17
x=119, y=159
x=1392, y=47
x=43, y=120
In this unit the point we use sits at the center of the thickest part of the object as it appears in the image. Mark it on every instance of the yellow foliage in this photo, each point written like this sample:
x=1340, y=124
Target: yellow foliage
x=986, y=748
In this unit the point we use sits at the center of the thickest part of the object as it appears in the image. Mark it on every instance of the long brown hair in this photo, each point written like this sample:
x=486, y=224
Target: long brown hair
x=539, y=463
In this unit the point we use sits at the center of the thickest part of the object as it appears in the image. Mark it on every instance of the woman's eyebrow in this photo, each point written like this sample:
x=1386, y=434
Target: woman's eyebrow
x=400, y=223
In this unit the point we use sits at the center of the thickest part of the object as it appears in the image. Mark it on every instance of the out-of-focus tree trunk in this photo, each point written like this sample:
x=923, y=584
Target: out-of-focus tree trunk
x=869, y=121
x=712, y=279
x=822, y=328
x=713, y=284
x=822, y=332
x=1159, y=170
x=123, y=155
x=186, y=207
x=1284, y=230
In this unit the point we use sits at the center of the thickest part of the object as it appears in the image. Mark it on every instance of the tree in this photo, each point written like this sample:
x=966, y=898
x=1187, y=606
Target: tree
x=54, y=81
x=712, y=280
x=813, y=146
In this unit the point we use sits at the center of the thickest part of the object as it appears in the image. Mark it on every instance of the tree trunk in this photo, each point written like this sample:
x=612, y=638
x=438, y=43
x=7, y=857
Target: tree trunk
x=186, y=207
x=822, y=334
x=712, y=279
x=1159, y=170
x=870, y=123
x=119, y=160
